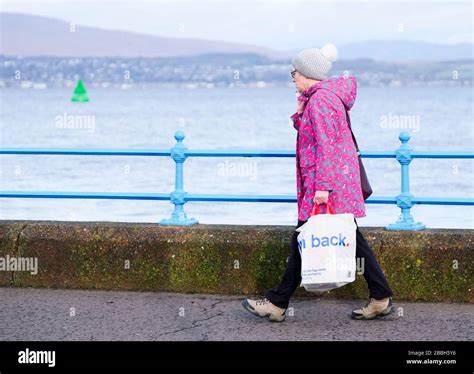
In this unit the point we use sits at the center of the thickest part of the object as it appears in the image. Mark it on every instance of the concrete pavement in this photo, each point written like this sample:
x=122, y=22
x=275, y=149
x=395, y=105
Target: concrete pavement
x=52, y=314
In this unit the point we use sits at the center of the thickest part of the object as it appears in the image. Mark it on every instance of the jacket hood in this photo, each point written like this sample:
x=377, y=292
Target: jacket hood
x=344, y=88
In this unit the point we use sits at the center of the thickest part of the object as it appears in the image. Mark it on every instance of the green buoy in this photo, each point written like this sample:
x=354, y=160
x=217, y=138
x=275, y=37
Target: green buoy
x=80, y=94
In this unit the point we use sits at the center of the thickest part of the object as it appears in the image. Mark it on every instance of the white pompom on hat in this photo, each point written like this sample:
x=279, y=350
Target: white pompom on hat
x=315, y=63
x=329, y=51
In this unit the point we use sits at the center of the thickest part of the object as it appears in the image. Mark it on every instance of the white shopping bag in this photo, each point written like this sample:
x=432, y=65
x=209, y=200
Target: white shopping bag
x=327, y=244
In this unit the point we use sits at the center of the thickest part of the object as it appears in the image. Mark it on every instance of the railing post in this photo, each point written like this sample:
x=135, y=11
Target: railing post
x=404, y=199
x=178, y=217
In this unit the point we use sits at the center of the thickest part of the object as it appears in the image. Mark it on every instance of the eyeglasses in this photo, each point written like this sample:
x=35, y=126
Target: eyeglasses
x=293, y=73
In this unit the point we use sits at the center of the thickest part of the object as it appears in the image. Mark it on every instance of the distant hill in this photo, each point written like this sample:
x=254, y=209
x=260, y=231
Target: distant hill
x=401, y=51
x=32, y=36
x=406, y=51
x=27, y=35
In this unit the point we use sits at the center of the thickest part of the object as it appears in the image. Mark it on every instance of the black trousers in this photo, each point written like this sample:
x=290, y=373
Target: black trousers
x=376, y=281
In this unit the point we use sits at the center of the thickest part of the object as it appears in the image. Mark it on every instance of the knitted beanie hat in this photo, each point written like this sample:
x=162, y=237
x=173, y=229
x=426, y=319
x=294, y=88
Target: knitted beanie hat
x=315, y=63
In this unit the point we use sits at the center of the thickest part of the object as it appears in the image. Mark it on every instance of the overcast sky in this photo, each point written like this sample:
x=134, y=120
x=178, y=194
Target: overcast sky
x=276, y=24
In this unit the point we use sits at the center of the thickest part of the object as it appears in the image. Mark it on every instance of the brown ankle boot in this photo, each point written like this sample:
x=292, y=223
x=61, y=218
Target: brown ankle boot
x=374, y=308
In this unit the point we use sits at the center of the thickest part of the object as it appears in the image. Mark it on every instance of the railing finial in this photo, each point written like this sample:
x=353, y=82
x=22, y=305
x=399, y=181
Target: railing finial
x=179, y=136
x=404, y=137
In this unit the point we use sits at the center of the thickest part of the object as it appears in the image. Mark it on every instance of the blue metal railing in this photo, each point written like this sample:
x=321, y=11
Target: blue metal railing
x=179, y=153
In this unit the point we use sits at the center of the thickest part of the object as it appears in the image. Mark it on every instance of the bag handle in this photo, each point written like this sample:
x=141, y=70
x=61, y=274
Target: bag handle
x=316, y=209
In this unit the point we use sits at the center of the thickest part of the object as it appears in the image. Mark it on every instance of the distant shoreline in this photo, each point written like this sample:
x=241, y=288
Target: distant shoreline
x=210, y=71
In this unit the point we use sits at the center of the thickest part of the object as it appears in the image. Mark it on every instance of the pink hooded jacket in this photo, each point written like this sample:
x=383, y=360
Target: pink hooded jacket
x=326, y=158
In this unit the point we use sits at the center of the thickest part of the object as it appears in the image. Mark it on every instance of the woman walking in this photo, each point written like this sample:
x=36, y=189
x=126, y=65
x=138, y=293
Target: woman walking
x=327, y=170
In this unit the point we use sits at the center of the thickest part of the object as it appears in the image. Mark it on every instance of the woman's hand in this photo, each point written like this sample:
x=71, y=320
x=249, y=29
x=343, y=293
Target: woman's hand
x=300, y=104
x=321, y=197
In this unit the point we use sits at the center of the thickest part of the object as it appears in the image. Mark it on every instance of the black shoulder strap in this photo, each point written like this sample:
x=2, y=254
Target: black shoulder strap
x=349, y=123
x=350, y=127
